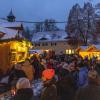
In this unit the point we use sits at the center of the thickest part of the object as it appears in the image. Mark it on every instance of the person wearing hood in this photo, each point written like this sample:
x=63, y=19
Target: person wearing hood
x=24, y=90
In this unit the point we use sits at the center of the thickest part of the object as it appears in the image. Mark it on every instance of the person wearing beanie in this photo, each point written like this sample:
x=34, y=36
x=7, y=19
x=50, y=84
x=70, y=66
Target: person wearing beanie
x=92, y=90
x=24, y=90
x=49, y=91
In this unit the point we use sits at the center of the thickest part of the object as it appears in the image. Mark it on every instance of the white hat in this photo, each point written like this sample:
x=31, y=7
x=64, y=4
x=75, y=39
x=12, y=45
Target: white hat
x=23, y=83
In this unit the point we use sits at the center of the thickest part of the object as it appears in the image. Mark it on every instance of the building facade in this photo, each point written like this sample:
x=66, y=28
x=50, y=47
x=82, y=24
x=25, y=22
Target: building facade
x=57, y=46
x=54, y=40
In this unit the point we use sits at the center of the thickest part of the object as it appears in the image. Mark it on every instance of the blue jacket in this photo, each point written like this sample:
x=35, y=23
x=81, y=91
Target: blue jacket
x=83, y=77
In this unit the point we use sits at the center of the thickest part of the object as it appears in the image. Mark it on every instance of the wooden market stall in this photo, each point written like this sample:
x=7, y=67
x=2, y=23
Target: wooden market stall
x=13, y=51
x=90, y=51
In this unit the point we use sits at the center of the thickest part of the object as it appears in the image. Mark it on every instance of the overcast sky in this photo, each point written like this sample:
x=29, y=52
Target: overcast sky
x=38, y=10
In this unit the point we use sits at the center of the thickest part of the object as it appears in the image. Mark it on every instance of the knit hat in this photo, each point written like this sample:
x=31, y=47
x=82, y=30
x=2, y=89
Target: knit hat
x=23, y=83
x=48, y=74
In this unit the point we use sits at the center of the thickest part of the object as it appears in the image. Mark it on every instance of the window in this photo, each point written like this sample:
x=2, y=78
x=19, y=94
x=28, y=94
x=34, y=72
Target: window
x=70, y=51
x=44, y=44
x=65, y=43
x=53, y=44
x=37, y=44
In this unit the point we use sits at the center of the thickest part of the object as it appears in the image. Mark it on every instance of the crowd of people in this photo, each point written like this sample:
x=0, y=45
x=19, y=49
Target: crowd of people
x=62, y=77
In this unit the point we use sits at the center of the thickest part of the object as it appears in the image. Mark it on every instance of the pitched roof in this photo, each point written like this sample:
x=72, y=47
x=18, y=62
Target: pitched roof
x=8, y=33
x=49, y=36
x=11, y=14
x=10, y=24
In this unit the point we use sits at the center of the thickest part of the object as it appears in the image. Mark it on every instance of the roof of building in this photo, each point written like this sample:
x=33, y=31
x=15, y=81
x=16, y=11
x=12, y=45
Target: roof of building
x=8, y=33
x=49, y=36
x=86, y=47
x=3, y=20
x=10, y=24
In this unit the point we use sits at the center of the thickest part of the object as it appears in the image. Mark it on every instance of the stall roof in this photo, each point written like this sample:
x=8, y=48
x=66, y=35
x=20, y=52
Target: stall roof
x=91, y=47
x=97, y=46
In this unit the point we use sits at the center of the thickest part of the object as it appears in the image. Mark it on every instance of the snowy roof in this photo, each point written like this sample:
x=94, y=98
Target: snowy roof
x=97, y=46
x=9, y=33
x=3, y=20
x=49, y=36
x=10, y=24
x=84, y=47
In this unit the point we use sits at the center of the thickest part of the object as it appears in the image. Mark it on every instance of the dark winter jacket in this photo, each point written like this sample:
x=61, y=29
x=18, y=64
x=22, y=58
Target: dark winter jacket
x=49, y=93
x=24, y=94
x=64, y=73
x=38, y=69
x=65, y=89
x=90, y=92
x=97, y=68
x=15, y=75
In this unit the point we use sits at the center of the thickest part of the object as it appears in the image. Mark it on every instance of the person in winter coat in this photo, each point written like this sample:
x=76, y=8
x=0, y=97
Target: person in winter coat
x=24, y=90
x=28, y=69
x=97, y=67
x=83, y=75
x=49, y=91
x=68, y=70
x=38, y=67
x=92, y=90
x=15, y=74
x=50, y=63
x=66, y=88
